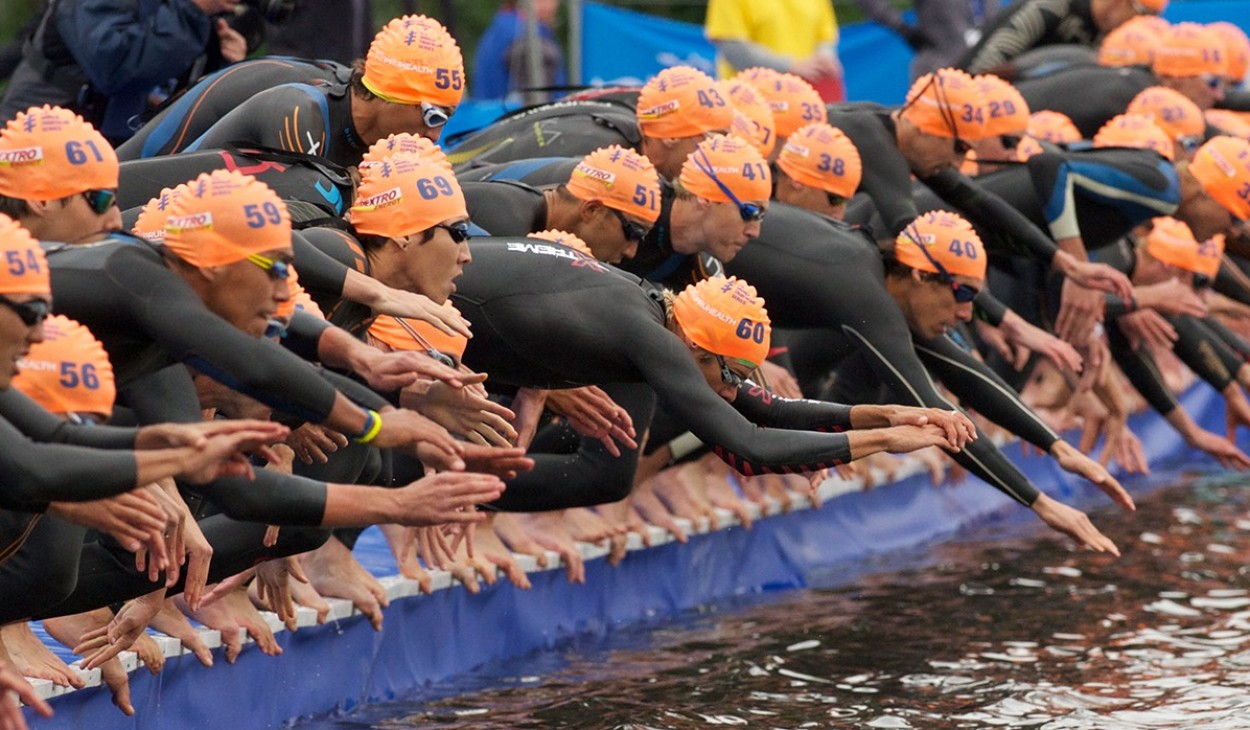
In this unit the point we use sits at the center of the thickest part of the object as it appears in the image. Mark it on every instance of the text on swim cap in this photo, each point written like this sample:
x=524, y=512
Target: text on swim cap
x=381, y=200
x=750, y=330
x=430, y=188
x=259, y=216
x=195, y=221
x=77, y=156
x=23, y=156
x=19, y=262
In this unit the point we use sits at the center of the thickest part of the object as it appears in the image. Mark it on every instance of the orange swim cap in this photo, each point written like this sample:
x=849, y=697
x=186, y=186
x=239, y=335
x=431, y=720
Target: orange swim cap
x=223, y=217
x=753, y=117
x=1190, y=49
x=69, y=372
x=404, y=143
x=1229, y=122
x=821, y=156
x=735, y=163
x=949, y=240
x=1172, y=111
x=49, y=153
x=564, y=239
x=405, y=194
x=1172, y=242
x=414, y=334
x=26, y=269
x=1053, y=127
x=150, y=225
x=1006, y=110
x=947, y=103
x=297, y=298
x=1133, y=43
x=1222, y=167
x=681, y=101
x=794, y=102
x=1135, y=130
x=1027, y=148
x=620, y=179
x=1236, y=49
x=725, y=317
x=414, y=59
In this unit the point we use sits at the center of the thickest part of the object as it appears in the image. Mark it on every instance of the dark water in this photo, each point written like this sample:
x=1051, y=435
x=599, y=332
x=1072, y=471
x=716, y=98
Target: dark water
x=987, y=632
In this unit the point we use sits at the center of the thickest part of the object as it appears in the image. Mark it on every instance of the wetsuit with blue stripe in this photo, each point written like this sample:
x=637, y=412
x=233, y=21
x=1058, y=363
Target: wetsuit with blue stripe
x=192, y=113
x=300, y=118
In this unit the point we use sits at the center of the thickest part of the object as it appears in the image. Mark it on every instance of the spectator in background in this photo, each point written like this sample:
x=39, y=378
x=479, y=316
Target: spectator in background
x=304, y=36
x=102, y=58
x=942, y=33
x=791, y=36
x=501, y=64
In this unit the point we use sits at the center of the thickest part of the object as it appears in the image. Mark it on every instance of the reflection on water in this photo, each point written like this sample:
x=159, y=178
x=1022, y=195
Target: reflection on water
x=1024, y=633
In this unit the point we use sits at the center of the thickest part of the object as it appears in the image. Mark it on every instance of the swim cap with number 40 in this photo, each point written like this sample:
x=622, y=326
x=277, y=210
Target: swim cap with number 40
x=949, y=241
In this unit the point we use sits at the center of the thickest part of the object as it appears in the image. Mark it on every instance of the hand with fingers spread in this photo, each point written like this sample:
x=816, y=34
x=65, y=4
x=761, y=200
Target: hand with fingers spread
x=1147, y=327
x=1075, y=462
x=313, y=443
x=121, y=633
x=224, y=454
x=1080, y=308
x=463, y=412
x=1171, y=297
x=415, y=434
x=387, y=371
x=444, y=497
x=592, y=412
x=1073, y=523
x=272, y=588
x=1220, y=448
x=177, y=435
x=1094, y=276
x=1025, y=338
x=135, y=519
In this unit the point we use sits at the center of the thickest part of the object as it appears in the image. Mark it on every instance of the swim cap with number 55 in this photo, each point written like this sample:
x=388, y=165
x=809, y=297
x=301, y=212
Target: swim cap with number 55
x=414, y=59
x=49, y=153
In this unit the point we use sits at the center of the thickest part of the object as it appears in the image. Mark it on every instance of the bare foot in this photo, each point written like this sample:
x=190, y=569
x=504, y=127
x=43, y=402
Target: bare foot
x=403, y=543
x=547, y=530
x=307, y=596
x=70, y=630
x=333, y=572
x=490, y=548
x=681, y=490
x=586, y=525
x=149, y=653
x=511, y=531
x=652, y=511
x=171, y=622
x=31, y=658
x=232, y=614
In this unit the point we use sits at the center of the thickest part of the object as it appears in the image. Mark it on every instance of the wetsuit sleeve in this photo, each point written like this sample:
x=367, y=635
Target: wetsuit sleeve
x=1117, y=183
x=292, y=118
x=1230, y=338
x=356, y=392
x=1142, y=371
x=1204, y=352
x=318, y=271
x=36, y=474
x=991, y=212
x=163, y=307
x=888, y=179
x=1021, y=30
x=1231, y=282
x=38, y=424
x=665, y=365
x=972, y=382
x=988, y=308
x=763, y=408
x=303, y=333
x=116, y=48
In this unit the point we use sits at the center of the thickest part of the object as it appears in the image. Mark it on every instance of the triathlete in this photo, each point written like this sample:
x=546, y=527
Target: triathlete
x=1189, y=59
x=1033, y=23
x=818, y=169
x=929, y=135
x=411, y=81
x=1168, y=254
x=185, y=118
x=610, y=202
x=676, y=109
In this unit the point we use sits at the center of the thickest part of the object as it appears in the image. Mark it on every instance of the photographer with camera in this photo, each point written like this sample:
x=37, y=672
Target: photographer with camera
x=105, y=58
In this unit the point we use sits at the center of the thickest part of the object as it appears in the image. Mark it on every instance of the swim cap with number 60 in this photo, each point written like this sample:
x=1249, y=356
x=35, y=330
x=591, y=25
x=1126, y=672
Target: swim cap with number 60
x=725, y=317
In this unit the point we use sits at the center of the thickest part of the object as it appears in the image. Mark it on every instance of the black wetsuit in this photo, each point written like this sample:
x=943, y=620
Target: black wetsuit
x=1029, y=24
x=561, y=129
x=505, y=207
x=546, y=316
x=311, y=180
x=192, y=113
x=1048, y=60
x=1089, y=95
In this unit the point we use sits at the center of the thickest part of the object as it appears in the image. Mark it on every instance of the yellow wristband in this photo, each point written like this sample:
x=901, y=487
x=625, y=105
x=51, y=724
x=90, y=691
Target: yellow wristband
x=373, y=426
